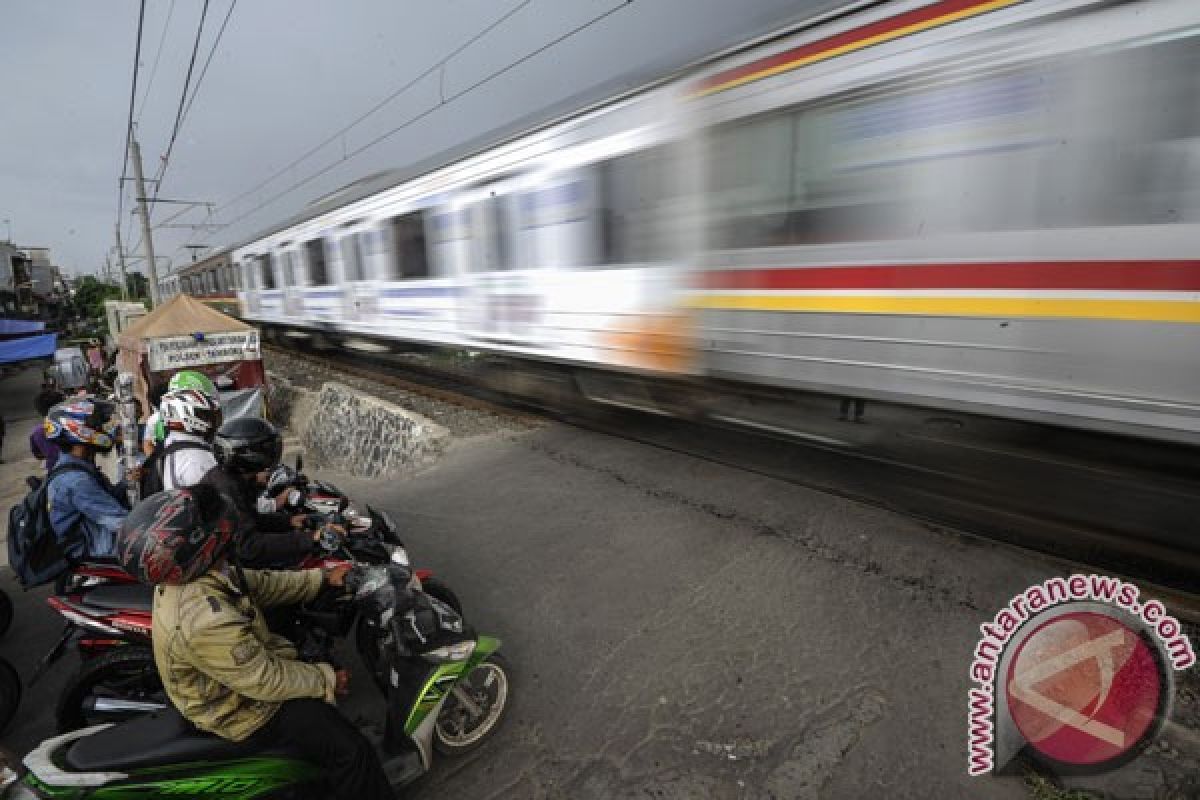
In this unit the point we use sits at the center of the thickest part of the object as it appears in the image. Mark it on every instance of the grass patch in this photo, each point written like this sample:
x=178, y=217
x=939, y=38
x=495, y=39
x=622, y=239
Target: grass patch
x=1041, y=788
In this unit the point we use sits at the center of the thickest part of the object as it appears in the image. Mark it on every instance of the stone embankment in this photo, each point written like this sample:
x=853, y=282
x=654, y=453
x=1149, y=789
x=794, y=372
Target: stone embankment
x=351, y=424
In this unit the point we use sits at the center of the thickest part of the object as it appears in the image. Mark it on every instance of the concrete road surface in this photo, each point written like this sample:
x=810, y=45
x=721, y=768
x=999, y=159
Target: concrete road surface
x=680, y=629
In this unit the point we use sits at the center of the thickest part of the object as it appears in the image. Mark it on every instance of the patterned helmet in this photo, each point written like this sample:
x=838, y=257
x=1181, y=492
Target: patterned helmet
x=190, y=379
x=190, y=411
x=82, y=420
x=178, y=535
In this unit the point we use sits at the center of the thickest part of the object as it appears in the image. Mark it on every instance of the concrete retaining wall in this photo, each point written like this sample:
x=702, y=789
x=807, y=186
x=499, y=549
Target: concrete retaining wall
x=359, y=434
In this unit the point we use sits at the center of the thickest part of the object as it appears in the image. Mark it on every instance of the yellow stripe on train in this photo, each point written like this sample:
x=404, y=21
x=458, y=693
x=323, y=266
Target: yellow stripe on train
x=1136, y=310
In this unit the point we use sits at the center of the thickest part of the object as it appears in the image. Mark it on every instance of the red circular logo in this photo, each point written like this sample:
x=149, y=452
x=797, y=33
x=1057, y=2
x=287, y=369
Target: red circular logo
x=1084, y=689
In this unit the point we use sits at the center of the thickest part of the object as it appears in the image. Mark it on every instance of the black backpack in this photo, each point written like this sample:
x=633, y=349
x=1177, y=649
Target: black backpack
x=34, y=552
x=152, y=468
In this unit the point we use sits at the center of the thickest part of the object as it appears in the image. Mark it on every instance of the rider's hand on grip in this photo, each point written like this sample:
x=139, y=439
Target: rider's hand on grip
x=342, y=687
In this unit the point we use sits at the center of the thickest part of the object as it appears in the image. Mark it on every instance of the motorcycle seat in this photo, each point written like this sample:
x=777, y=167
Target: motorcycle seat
x=121, y=596
x=157, y=740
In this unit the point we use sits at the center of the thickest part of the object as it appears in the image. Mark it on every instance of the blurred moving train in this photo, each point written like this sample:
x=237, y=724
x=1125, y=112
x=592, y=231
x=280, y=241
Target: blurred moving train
x=991, y=206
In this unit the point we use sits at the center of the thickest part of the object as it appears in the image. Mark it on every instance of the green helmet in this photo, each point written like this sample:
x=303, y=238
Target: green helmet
x=190, y=379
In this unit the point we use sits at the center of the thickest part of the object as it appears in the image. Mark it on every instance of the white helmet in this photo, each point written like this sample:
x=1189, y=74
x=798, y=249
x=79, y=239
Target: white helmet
x=191, y=411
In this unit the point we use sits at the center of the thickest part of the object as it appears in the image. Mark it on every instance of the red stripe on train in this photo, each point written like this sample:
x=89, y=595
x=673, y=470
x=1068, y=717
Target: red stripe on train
x=1178, y=276
x=914, y=17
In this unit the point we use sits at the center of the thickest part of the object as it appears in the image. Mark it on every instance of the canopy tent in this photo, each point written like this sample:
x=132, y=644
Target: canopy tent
x=184, y=333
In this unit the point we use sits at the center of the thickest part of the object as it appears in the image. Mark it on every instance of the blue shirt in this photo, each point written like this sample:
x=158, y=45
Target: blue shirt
x=79, y=495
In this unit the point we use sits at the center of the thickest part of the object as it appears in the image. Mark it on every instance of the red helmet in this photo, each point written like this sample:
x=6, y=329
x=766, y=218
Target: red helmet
x=178, y=535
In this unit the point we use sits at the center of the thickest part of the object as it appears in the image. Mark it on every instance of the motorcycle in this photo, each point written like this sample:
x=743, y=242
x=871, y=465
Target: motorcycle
x=310, y=496
x=108, y=616
x=448, y=690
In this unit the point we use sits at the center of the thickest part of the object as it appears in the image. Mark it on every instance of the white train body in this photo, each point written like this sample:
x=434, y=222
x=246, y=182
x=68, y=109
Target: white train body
x=990, y=206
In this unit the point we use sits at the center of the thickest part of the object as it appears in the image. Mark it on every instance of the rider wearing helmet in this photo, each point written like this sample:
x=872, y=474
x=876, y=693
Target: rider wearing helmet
x=247, y=449
x=221, y=666
x=83, y=500
x=192, y=415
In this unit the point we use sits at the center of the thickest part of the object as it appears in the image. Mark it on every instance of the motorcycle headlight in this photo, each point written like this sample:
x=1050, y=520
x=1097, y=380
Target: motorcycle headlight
x=451, y=652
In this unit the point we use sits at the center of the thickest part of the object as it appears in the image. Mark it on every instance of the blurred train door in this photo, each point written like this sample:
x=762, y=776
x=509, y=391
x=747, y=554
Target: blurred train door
x=502, y=301
x=357, y=252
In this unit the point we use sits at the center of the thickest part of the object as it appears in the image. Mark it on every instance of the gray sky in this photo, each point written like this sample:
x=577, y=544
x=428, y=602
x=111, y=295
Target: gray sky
x=287, y=75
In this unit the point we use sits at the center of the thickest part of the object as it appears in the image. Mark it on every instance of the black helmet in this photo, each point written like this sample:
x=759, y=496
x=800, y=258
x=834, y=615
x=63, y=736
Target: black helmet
x=247, y=445
x=178, y=535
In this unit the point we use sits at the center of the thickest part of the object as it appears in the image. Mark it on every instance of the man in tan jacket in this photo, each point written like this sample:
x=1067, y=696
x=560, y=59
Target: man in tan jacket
x=220, y=665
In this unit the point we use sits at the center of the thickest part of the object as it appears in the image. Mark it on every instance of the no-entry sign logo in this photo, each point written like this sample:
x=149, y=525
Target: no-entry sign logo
x=1085, y=689
x=1076, y=672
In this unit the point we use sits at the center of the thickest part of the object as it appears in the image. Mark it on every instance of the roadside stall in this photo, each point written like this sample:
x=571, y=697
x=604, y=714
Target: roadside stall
x=184, y=333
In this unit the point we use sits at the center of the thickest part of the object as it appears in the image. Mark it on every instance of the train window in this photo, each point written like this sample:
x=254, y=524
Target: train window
x=266, y=275
x=411, y=257
x=544, y=211
x=639, y=200
x=1035, y=146
x=318, y=272
x=353, y=260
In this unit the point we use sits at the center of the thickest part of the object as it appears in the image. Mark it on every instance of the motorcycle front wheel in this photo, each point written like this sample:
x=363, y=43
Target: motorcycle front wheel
x=461, y=729
x=117, y=685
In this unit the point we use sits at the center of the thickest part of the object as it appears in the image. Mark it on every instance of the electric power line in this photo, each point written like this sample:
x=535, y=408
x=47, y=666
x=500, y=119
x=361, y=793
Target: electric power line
x=165, y=159
x=207, y=61
x=137, y=55
x=187, y=81
x=444, y=101
x=157, y=55
x=441, y=63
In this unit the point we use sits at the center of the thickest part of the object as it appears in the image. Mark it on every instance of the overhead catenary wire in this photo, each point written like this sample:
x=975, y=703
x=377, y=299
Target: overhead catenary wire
x=443, y=102
x=157, y=55
x=137, y=55
x=212, y=51
x=439, y=64
x=164, y=161
x=187, y=81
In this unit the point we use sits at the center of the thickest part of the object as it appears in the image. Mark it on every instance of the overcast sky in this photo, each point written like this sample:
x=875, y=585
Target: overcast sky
x=287, y=75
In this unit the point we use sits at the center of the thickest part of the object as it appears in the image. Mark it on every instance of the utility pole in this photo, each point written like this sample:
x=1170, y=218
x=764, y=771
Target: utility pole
x=121, y=261
x=136, y=152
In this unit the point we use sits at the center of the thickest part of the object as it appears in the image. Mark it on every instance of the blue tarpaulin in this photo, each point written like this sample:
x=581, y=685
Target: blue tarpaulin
x=29, y=347
x=21, y=326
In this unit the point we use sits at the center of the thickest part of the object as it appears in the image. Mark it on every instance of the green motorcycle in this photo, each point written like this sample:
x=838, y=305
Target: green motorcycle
x=447, y=690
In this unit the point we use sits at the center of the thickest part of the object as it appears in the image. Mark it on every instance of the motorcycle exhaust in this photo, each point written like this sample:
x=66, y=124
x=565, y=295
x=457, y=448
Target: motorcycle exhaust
x=116, y=705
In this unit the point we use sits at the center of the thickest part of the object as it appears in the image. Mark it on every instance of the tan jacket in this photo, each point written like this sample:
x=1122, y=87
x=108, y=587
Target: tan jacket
x=220, y=665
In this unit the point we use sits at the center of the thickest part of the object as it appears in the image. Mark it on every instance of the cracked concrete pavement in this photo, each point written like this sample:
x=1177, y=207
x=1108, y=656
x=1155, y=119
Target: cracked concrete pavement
x=680, y=629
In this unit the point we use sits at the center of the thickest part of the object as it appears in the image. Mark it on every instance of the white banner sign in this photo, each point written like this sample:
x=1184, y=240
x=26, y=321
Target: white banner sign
x=179, y=352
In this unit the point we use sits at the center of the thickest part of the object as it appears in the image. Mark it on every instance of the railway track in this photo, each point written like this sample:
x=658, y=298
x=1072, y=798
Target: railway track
x=1130, y=512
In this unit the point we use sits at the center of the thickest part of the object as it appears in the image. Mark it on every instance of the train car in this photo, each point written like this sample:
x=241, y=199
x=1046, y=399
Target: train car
x=988, y=206
x=981, y=205
x=212, y=280
x=551, y=246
